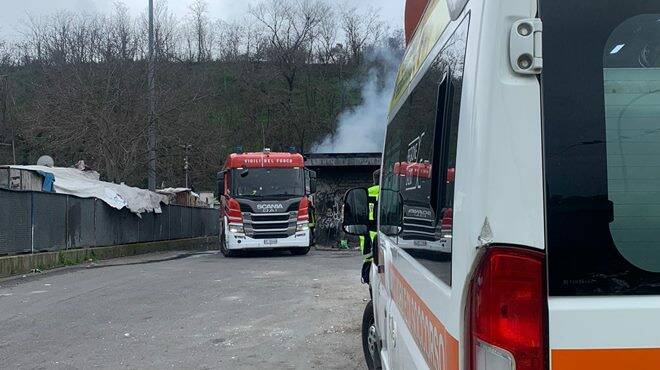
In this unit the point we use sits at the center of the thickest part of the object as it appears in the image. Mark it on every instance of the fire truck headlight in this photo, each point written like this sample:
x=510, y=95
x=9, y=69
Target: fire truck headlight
x=236, y=229
x=303, y=226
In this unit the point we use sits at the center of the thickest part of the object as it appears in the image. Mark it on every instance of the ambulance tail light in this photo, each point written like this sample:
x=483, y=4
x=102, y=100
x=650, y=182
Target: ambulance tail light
x=508, y=311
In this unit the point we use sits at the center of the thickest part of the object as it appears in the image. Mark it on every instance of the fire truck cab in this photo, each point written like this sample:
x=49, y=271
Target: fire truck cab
x=422, y=230
x=265, y=202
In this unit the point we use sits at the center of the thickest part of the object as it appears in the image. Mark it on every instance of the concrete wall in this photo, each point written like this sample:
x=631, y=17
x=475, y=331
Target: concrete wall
x=36, y=262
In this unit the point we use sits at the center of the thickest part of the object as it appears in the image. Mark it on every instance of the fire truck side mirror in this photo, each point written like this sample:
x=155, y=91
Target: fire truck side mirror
x=312, y=182
x=356, y=212
x=221, y=183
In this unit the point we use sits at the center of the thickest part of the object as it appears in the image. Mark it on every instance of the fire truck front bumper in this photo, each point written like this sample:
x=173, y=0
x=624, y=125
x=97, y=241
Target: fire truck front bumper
x=238, y=241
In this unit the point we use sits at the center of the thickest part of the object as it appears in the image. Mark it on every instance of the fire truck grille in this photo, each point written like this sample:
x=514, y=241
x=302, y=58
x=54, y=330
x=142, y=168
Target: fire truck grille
x=274, y=225
x=270, y=217
x=270, y=225
x=415, y=228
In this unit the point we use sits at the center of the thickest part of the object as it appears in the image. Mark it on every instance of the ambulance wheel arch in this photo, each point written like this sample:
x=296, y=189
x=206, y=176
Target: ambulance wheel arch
x=370, y=338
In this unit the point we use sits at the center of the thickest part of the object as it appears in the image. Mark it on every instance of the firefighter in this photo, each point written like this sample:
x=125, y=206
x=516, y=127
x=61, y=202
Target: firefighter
x=312, y=220
x=368, y=243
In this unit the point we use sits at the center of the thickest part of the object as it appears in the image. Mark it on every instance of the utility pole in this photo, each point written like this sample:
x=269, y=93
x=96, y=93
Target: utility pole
x=4, y=87
x=3, y=103
x=152, y=102
x=186, y=164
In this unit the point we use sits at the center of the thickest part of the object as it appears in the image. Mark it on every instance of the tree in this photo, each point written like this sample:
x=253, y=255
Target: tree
x=199, y=35
x=327, y=45
x=230, y=41
x=361, y=28
x=279, y=77
x=290, y=27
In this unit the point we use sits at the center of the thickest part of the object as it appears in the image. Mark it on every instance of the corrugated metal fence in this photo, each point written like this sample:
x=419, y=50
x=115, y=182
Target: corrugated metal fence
x=34, y=221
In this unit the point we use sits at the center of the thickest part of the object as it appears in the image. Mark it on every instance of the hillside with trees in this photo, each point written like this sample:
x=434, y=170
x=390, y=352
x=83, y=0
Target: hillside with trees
x=74, y=85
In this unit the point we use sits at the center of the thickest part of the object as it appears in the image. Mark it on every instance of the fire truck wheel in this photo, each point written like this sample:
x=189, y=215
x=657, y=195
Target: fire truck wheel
x=370, y=341
x=299, y=251
x=223, y=247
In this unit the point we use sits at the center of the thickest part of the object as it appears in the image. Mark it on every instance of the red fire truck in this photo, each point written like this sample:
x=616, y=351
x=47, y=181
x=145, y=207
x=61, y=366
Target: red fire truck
x=420, y=230
x=265, y=202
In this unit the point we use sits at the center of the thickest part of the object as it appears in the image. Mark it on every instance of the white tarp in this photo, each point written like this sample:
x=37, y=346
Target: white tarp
x=173, y=191
x=86, y=184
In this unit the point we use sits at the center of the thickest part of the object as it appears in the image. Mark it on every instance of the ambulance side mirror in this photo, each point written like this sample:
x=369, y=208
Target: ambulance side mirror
x=391, y=221
x=356, y=212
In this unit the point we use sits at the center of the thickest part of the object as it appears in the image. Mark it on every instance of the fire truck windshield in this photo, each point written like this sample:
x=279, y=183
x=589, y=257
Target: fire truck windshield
x=267, y=182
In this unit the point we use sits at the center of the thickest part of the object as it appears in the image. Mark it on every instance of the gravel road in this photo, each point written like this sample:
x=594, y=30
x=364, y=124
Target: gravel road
x=188, y=311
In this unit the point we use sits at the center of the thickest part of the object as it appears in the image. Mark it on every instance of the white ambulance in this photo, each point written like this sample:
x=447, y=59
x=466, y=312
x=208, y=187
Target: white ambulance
x=549, y=112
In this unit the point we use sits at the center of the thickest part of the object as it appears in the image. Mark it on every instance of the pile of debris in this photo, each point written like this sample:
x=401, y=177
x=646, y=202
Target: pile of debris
x=181, y=197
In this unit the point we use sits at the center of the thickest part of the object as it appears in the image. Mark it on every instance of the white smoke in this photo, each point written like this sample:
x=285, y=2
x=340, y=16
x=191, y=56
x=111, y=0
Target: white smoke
x=361, y=129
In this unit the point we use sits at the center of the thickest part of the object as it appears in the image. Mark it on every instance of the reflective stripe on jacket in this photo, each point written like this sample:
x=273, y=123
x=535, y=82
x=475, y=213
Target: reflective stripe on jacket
x=374, y=193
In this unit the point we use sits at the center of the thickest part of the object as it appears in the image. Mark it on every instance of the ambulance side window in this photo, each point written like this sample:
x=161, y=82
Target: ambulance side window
x=420, y=161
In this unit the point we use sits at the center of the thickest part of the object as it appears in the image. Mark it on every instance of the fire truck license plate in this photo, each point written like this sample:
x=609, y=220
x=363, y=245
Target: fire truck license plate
x=270, y=241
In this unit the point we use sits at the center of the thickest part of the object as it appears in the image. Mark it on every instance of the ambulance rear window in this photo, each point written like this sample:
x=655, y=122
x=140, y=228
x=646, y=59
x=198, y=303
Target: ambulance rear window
x=601, y=95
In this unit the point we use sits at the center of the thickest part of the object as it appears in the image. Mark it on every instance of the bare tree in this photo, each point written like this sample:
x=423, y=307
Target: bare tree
x=166, y=34
x=6, y=55
x=279, y=77
x=123, y=33
x=230, y=41
x=327, y=45
x=289, y=25
x=199, y=30
x=361, y=28
x=32, y=45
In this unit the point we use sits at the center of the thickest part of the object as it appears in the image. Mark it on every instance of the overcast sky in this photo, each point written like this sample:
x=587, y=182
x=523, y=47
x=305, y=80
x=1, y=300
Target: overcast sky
x=13, y=11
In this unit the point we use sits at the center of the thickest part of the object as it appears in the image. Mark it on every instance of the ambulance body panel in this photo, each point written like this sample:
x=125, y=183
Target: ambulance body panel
x=549, y=221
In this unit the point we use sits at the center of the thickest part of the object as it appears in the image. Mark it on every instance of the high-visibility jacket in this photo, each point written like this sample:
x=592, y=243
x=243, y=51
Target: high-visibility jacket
x=374, y=192
x=312, y=216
